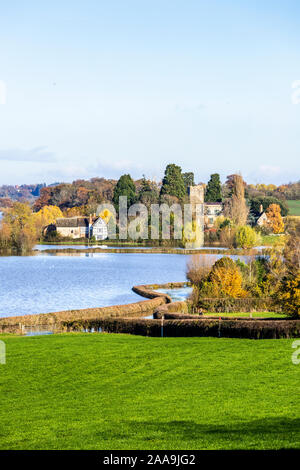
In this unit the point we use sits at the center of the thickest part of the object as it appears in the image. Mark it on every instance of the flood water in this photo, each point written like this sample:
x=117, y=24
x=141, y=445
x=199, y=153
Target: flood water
x=49, y=283
x=86, y=247
x=177, y=294
x=120, y=247
x=52, y=282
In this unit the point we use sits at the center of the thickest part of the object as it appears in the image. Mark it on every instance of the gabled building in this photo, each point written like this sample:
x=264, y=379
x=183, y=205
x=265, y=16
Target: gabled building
x=99, y=229
x=82, y=227
x=262, y=218
x=210, y=210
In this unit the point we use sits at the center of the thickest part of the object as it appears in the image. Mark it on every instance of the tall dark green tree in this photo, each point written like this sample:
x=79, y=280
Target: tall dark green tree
x=125, y=187
x=145, y=186
x=213, y=189
x=148, y=193
x=173, y=183
x=189, y=179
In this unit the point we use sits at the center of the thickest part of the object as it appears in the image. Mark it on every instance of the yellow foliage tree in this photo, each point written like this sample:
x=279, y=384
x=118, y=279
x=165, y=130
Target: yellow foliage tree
x=46, y=216
x=219, y=221
x=5, y=236
x=227, y=282
x=288, y=296
x=246, y=237
x=74, y=211
x=18, y=225
x=275, y=220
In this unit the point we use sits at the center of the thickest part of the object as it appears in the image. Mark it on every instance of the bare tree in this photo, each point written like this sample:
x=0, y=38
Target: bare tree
x=235, y=207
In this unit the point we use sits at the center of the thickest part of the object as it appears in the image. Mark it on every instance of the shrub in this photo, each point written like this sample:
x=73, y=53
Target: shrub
x=254, y=275
x=198, y=268
x=211, y=236
x=246, y=237
x=223, y=279
x=226, y=279
x=246, y=304
x=288, y=296
x=227, y=235
x=252, y=329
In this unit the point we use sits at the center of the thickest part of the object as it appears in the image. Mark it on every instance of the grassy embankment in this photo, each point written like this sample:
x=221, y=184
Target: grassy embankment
x=100, y=391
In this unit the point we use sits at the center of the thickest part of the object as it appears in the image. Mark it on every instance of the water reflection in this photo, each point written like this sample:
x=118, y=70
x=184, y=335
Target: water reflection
x=177, y=294
x=119, y=247
x=87, y=247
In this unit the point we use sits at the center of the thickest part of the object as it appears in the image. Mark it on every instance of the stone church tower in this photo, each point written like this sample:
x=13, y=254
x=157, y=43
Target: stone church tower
x=196, y=194
x=196, y=199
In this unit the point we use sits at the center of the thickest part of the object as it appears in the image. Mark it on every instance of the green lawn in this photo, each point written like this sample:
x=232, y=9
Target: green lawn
x=294, y=207
x=100, y=391
x=270, y=240
x=247, y=314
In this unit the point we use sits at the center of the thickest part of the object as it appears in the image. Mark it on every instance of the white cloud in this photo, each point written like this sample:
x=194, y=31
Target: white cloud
x=37, y=154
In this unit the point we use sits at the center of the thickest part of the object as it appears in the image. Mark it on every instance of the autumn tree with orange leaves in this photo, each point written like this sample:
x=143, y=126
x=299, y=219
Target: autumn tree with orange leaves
x=226, y=279
x=223, y=280
x=275, y=220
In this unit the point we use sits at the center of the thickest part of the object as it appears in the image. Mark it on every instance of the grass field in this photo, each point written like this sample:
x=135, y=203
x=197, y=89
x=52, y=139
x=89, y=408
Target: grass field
x=270, y=240
x=247, y=314
x=294, y=207
x=100, y=391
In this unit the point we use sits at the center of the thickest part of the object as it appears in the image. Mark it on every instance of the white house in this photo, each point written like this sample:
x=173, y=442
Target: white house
x=262, y=218
x=82, y=227
x=99, y=229
x=212, y=210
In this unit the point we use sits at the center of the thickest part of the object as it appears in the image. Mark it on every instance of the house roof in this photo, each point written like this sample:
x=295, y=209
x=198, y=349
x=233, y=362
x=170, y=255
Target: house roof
x=72, y=222
x=262, y=216
x=98, y=220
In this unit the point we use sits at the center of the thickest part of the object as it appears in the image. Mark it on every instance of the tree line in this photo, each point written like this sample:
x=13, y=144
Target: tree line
x=242, y=204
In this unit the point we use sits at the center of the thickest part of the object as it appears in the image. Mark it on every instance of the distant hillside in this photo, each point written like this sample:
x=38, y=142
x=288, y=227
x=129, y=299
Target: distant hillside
x=26, y=192
x=80, y=193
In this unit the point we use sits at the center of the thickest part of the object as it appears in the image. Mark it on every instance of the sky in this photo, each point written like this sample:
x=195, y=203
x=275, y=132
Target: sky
x=102, y=88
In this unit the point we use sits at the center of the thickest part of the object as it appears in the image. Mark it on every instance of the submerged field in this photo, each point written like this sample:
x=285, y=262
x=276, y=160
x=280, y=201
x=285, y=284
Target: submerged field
x=85, y=391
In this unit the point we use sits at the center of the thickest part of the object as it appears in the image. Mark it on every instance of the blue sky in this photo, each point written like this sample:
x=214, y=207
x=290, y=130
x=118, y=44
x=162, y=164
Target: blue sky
x=101, y=88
